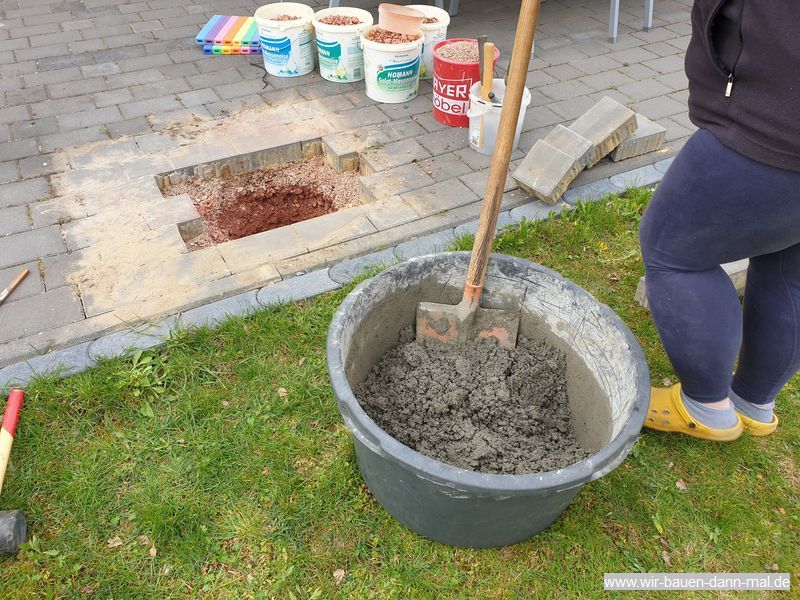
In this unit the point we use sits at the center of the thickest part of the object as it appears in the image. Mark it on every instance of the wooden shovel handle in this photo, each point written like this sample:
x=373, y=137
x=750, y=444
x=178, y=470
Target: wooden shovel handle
x=13, y=285
x=488, y=69
x=517, y=74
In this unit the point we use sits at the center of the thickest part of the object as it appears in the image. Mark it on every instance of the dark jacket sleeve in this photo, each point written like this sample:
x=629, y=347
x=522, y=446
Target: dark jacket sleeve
x=743, y=66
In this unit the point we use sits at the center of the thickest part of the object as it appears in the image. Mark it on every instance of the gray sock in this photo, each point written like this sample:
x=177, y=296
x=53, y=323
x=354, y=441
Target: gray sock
x=717, y=418
x=759, y=412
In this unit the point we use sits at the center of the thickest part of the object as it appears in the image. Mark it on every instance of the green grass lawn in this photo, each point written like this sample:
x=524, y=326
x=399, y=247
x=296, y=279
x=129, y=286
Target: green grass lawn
x=219, y=467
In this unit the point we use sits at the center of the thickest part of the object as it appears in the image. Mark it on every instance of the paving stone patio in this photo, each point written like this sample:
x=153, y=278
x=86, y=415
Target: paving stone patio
x=100, y=96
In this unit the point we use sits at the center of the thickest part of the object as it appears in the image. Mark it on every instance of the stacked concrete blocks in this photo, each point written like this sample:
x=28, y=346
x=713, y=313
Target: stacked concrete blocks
x=553, y=163
x=648, y=137
x=607, y=124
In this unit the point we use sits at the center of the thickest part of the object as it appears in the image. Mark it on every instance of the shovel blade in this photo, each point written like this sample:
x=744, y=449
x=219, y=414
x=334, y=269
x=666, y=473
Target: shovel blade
x=448, y=323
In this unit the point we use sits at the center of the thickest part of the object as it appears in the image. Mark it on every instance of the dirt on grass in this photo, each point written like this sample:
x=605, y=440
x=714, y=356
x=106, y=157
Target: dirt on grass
x=250, y=203
x=476, y=406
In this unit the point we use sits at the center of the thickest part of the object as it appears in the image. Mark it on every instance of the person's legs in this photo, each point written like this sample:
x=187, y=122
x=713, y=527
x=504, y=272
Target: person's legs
x=713, y=206
x=770, y=352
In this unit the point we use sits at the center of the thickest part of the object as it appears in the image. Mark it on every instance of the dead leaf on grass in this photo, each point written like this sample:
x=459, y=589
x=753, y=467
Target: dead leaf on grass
x=115, y=542
x=773, y=567
x=339, y=575
x=88, y=590
x=144, y=540
x=153, y=551
x=283, y=392
x=665, y=557
x=301, y=361
x=680, y=484
x=666, y=382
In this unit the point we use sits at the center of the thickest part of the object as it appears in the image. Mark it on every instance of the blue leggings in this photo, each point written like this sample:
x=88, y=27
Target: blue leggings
x=715, y=206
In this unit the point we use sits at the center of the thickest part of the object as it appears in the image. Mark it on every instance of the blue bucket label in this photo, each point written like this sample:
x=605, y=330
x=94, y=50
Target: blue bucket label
x=276, y=50
x=400, y=76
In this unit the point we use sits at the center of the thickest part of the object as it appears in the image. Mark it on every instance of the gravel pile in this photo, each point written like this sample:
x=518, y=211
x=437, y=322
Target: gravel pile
x=284, y=18
x=429, y=20
x=462, y=52
x=383, y=36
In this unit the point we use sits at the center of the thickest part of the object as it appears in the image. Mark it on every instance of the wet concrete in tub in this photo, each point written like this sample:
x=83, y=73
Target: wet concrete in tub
x=475, y=405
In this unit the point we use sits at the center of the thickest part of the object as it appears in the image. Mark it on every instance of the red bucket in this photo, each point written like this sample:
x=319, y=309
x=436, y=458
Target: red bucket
x=451, y=84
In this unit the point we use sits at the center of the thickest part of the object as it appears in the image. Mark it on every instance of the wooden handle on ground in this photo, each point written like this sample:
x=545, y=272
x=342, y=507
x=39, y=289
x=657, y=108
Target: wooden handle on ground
x=12, y=286
x=488, y=69
x=517, y=74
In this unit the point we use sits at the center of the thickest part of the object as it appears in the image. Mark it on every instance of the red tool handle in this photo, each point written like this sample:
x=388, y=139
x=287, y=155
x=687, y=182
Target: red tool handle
x=13, y=407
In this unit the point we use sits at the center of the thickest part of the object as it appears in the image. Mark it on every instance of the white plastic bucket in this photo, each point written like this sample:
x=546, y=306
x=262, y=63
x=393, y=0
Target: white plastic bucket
x=287, y=46
x=434, y=33
x=340, y=55
x=391, y=71
x=484, y=116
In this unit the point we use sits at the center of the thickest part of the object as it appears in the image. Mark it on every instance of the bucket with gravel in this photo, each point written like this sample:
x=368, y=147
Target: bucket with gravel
x=338, y=32
x=287, y=38
x=474, y=444
x=455, y=69
x=391, y=64
x=434, y=30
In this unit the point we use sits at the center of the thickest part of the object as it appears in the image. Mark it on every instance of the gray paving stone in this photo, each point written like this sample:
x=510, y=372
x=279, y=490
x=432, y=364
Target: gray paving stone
x=389, y=212
x=648, y=137
x=28, y=245
x=31, y=315
x=536, y=211
x=546, y=171
x=297, y=288
x=662, y=165
x=139, y=337
x=393, y=154
x=435, y=242
x=23, y=192
x=345, y=271
x=30, y=286
x=148, y=107
x=64, y=362
x=8, y=173
x=13, y=219
x=606, y=125
x=439, y=197
x=89, y=118
x=17, y=149
x=393, y=182
x=334, y=228
x=590, y=191
x=445, y=166
x=642, y=176
x=442, y=142
x=217, y=312
x=503, y=220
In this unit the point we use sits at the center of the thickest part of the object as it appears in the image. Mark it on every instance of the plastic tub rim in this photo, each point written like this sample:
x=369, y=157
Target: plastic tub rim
x=575, y=475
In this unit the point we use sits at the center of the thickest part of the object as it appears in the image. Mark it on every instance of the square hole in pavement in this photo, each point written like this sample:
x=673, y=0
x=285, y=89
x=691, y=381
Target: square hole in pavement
x=251, y=193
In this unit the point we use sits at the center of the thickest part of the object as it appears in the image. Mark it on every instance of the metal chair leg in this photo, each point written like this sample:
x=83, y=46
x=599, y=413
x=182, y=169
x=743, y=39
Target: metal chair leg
x=453, y=8
x=439, y=4
x=613, y=21
x=648, y=15
x=331, y=4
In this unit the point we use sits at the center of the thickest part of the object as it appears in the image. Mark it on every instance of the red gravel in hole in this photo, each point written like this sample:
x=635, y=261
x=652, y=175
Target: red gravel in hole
x=250, y=203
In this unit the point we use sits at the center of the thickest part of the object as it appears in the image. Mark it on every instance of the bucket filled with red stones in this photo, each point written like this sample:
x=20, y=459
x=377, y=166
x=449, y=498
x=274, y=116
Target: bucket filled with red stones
x=456, y=67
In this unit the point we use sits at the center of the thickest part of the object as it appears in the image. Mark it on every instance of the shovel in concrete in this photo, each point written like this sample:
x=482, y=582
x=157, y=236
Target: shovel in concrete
x=449, y=323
